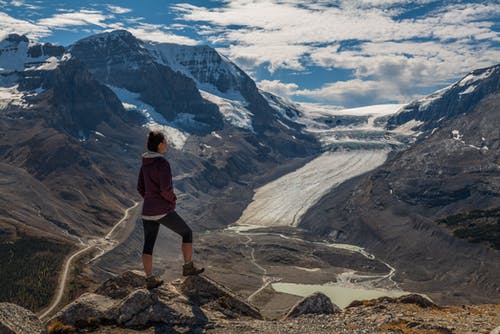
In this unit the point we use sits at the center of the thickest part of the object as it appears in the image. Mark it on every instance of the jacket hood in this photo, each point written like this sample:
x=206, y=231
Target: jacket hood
x=150, y=157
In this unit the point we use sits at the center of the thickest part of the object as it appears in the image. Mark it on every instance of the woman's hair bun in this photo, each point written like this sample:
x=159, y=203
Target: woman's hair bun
x=154, y=139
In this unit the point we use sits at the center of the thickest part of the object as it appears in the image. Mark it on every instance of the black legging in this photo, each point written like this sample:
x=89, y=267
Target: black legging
x=173, y=221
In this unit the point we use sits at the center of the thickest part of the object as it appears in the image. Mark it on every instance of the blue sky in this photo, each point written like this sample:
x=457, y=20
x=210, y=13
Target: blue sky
x=343, y=52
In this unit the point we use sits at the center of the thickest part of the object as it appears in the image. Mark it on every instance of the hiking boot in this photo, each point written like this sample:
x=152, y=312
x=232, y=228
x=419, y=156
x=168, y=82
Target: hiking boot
x=153, y=282
x=190, y=269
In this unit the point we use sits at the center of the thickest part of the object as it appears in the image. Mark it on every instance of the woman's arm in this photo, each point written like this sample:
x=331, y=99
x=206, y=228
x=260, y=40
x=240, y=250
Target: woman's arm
x=166, y=185
x=140, y=184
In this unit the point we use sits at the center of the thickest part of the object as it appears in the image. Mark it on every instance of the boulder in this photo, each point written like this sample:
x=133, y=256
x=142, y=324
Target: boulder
x=121, y=286
x=89, y=308
x=204, y=291
x=406, y=299
x=417, y=300
x=15, y=319
x=133, y=305
x=316, y=303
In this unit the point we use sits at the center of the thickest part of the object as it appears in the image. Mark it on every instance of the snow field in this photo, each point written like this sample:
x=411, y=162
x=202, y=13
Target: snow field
x=306, y=186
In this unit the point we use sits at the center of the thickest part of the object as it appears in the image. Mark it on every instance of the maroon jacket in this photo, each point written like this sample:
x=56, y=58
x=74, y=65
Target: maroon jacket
x=155, y=185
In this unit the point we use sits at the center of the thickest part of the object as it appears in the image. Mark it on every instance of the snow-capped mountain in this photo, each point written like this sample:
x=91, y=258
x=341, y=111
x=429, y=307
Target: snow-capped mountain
x=201, y=63
x=219, y=81
x=18, y=53
x=424, y=115
x=118, y=59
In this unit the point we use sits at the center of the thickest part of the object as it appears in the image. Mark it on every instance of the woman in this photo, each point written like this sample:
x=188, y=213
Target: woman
x=155, y=186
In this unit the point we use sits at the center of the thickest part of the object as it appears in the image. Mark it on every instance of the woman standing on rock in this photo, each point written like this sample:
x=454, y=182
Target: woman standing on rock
x=155, y=186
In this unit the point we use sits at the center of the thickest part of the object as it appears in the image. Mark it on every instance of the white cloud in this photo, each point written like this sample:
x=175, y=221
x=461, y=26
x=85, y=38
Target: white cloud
x=279, y=88
x=79, y=18
x=9, y=25
x=424, y=51
x=159, y=33
x=118, y=9
x=354, y=92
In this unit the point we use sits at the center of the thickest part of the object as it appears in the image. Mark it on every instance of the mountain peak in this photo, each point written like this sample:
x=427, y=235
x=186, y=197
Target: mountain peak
x=109, y=39
x=15, y=38
x=426, y=114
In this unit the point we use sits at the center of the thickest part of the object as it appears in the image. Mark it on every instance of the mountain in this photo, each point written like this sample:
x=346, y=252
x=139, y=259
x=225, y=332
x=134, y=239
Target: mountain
x=426, y=114
x=73, y=123
x=18, y=53
x=432, y=210
x=204, y=91
x=217, y=78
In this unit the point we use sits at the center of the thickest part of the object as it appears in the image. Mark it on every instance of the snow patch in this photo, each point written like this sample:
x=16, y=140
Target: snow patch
x=425, y=102
x=215, y=134
x=473, y=78
x=233, y=107
x=456, y=135
x=49, y=65
x=406, y=129
x=469, y=90
x=13, y=55
x=154, y=120
x=11, y=96
x=315, y=110
x=283, y=106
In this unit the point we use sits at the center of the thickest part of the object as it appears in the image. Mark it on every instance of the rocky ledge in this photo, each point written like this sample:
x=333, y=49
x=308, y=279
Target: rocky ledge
x=197, y=304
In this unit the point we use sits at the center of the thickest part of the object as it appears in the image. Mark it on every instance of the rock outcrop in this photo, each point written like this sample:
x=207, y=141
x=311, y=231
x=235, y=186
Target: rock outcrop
x=124, y=301
x=205, y=291
x=316, y=303
x=406, y=299
x=15, y=319
x=198, y=304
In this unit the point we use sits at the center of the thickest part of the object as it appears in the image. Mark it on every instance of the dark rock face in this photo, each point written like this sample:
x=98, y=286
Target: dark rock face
x=75, y=102
x=15, y=38
x=457, y=99
x=17, y=320
x=114, y=58
x=46, y=49
x=316, y=303
x=444, y=171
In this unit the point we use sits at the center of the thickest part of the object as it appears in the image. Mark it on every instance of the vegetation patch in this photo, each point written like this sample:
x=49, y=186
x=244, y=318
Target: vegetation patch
x=30, y=269
x=476, y=226
x=57, y=327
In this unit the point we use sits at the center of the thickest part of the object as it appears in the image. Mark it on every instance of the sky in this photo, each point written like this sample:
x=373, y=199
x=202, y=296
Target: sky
x=340, y=52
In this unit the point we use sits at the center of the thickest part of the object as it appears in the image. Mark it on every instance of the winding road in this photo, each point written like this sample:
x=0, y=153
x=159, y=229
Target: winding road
x=106, y=244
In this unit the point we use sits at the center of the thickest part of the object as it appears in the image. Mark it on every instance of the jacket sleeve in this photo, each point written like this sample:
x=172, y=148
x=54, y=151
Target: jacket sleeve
x=140, y=184
x=166, y=185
